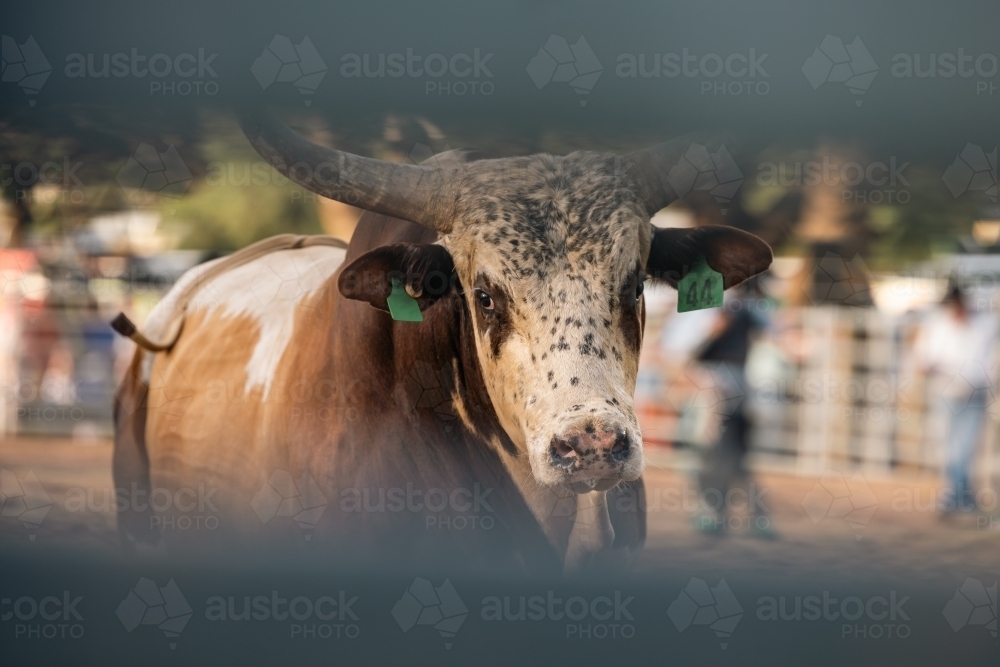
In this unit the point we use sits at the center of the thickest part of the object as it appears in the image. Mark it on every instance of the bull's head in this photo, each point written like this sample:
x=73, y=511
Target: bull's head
x=551, y=254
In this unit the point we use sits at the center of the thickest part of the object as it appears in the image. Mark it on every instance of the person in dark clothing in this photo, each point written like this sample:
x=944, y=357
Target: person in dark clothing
x=724, y=355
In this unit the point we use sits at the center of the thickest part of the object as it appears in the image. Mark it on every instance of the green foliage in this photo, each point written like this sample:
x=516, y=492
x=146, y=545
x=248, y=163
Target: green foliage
x=224, y=217
x=930, y=222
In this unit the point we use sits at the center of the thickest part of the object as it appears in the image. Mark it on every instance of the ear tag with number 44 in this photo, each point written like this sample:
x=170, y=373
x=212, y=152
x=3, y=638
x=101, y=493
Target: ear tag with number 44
x=701, y=288
x=402, y=306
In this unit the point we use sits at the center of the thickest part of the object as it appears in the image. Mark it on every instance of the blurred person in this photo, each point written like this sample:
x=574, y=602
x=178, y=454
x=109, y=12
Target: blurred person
x=958, y=344
x=682, y=336
x=724, y=355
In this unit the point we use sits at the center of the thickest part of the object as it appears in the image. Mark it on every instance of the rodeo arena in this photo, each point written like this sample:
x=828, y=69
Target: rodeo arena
x=524, y=333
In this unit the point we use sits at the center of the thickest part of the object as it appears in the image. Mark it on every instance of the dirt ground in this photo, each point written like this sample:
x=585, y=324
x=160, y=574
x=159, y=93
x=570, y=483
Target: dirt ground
x=893, y=529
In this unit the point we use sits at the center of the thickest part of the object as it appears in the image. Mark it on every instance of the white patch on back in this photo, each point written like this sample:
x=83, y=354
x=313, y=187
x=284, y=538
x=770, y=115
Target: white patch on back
x=268, y=289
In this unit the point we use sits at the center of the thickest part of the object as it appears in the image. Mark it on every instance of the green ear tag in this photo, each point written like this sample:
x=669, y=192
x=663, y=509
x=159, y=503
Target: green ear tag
x=402, y=306
x=700, y=288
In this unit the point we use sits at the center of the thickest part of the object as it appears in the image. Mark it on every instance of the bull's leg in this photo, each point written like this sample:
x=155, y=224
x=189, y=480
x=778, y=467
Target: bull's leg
x=627, y=509
x=130, y=464
x=609, y=529
x=592, y=530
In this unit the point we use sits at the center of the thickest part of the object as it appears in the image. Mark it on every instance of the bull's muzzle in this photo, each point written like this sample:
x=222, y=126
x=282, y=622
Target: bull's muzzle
x=593, y=456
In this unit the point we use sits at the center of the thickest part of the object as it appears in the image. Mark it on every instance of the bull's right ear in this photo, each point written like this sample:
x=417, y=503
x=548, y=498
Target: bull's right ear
x=425, y=270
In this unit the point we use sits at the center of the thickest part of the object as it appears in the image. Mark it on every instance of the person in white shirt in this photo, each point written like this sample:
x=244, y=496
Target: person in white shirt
x=958, y=345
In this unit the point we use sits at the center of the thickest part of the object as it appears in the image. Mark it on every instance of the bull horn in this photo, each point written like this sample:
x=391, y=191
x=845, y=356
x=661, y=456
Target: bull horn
x=418, y=193
x=659, y=170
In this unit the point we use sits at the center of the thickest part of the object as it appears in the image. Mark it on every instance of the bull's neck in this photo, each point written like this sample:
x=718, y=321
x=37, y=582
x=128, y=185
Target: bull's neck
x=425, y=373
x=427, y=377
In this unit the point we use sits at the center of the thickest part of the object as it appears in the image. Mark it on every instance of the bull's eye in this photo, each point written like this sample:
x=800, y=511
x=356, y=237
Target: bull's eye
x=639, y=287
x=485, y=300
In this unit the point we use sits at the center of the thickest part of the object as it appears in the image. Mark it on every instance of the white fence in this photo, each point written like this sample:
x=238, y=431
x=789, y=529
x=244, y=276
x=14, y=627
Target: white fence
x=829, y=388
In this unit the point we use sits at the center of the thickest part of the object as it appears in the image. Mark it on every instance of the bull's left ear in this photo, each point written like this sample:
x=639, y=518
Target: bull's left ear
x=426, y=271
x=736, y=254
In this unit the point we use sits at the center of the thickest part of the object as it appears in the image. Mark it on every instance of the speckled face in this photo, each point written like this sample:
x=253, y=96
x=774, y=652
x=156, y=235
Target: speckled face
x=550, y=251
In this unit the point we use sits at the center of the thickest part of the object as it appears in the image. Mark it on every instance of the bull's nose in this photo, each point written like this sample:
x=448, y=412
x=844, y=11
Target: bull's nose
x=564, y=451
x=622, y=446
x=578, y=448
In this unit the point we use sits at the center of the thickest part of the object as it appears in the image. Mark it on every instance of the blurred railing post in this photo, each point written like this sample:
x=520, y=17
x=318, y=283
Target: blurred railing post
x=814, y=422
x=10, y=336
